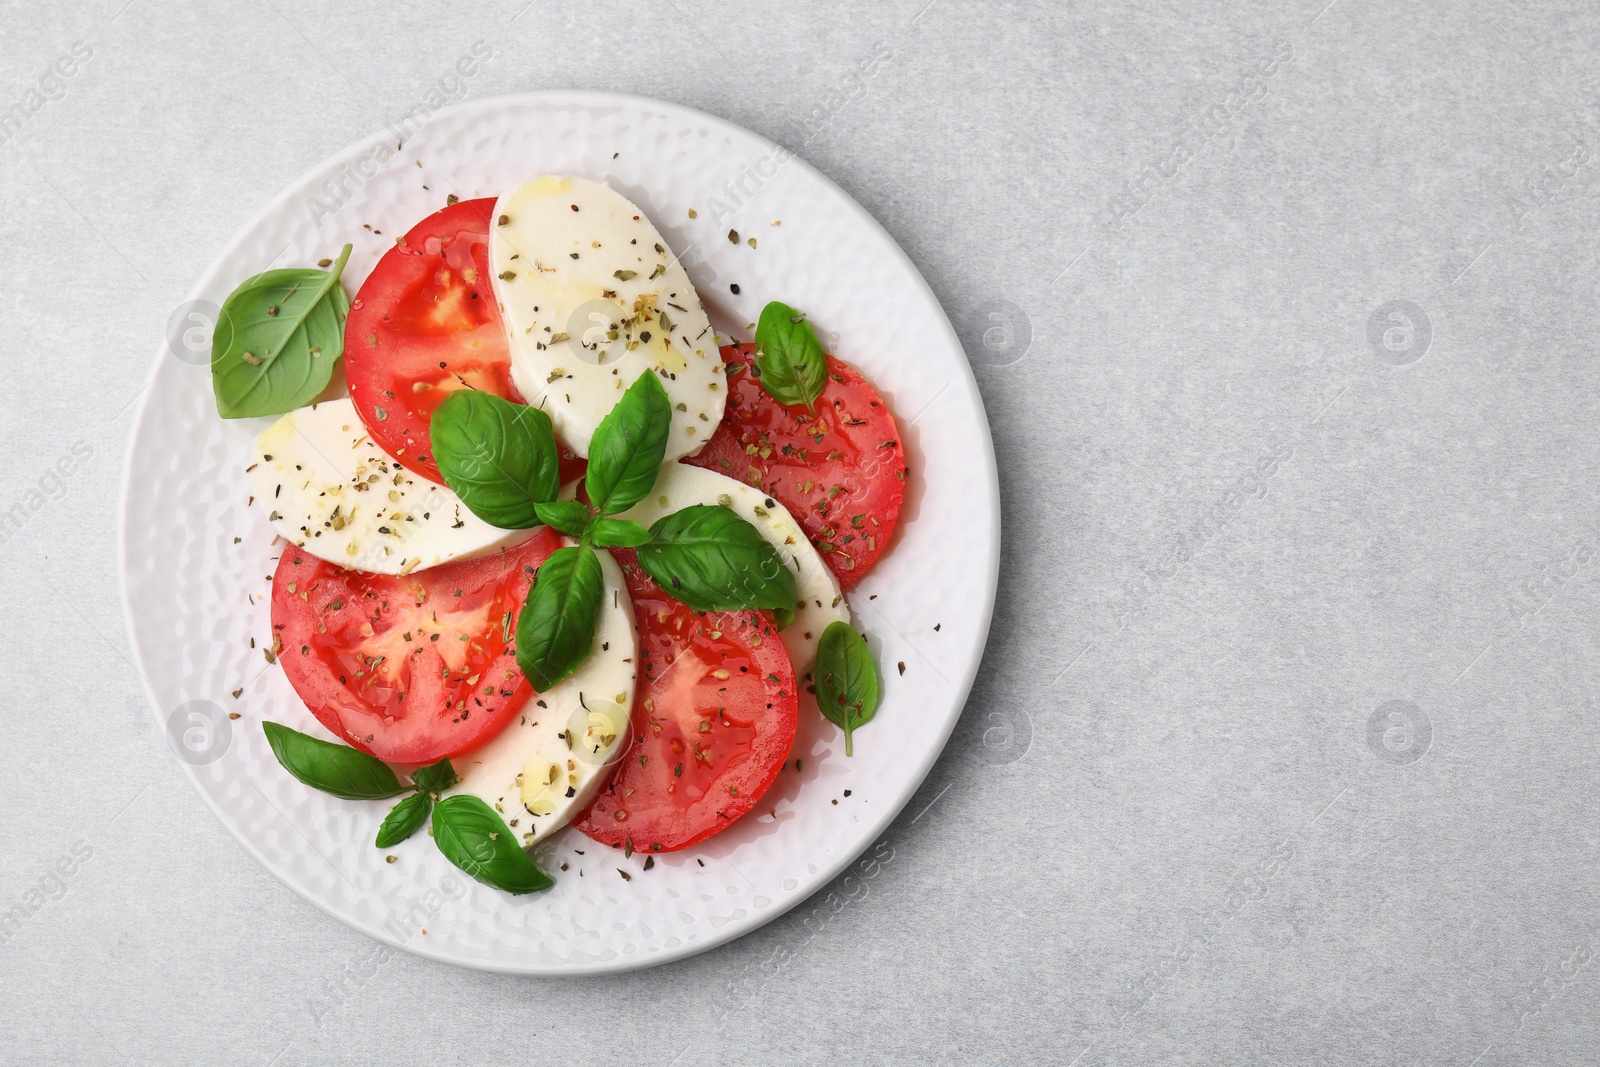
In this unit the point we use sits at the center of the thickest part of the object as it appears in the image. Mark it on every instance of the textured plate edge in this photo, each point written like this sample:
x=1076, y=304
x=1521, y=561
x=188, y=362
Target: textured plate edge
x=826, y=875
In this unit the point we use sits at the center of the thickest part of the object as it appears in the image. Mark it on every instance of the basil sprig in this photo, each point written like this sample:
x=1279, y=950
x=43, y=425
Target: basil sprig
x=277, y=338
x=469, y=832
x=704, y=556
x=332, y=768
x=408, y=816
x=789, y=359
x=709, y=558
x=847, y=680
x=500, y=458
x=555, y=632
x=474, y=837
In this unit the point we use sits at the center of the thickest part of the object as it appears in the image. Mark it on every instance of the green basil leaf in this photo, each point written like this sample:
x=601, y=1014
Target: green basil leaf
x=628, y=447
x=404, y=819
x=789, y=357
x=555, y=632
x=847, y=680
x=277, y=338
x=619, y=533
x=499, y=457
x=475, y=838
x=330, y=767
x=709, y=558
x=568, y=516
x=435, y=779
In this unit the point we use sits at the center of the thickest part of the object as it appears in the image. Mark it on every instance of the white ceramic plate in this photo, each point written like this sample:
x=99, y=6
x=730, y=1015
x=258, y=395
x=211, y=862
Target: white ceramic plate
x=195, y=557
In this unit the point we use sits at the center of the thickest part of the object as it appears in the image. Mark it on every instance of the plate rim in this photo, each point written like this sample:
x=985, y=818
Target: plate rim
x=883, y=818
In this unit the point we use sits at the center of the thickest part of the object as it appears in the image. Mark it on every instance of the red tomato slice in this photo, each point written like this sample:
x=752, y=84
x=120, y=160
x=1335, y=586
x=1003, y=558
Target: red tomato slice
x=714, y=715
x=411, y=669
x=841, y=473
x=425, y=324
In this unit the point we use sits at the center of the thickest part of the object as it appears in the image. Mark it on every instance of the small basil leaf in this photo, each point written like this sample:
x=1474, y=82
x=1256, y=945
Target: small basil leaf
x=499, y=457
x=332, y=768
x=475, y=838
x=789, y=356
x=435, y=779
x=568, y=516
x=628, y=447
x=277, y=338
x=709, y=558
x=619, y=533
x=404, y=819
x=555, y=632
x=847, y=680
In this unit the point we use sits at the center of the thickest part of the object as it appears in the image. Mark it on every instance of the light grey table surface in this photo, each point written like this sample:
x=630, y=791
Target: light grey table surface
x=1284, y=747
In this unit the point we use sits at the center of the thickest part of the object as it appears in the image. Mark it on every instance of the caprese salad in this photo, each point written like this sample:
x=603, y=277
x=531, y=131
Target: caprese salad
x=560, y=557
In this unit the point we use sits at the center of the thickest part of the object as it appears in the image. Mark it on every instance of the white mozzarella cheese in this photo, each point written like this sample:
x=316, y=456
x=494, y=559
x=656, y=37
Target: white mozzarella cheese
x=544, y=768
x=592, y=298
x=331, y=490
x=818, y=599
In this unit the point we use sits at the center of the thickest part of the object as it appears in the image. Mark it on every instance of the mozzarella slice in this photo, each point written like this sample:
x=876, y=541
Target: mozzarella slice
x=817, y=596
x=592, y=298
x=544, y=768
x=328, y=488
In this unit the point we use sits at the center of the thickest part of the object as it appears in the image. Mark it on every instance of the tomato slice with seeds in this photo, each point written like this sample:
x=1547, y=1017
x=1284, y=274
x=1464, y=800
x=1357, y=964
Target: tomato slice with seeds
x=424, y=324
x=841, y=473
x=410, y=668
x=714, y=716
